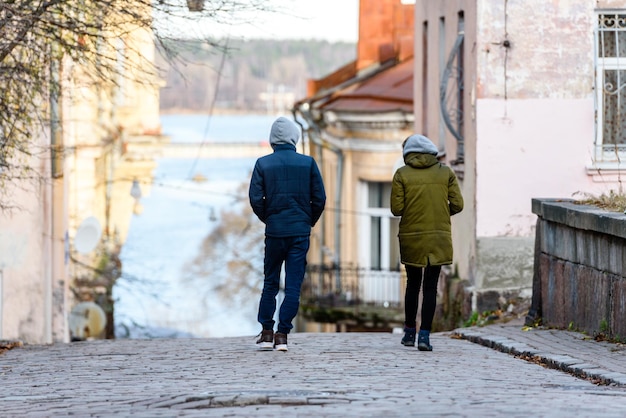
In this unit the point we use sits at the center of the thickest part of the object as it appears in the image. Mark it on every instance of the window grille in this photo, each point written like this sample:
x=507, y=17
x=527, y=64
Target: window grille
x=610, y=54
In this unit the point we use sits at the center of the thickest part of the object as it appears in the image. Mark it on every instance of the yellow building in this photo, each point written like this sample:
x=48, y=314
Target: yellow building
x=112, y=137
x=60, y=248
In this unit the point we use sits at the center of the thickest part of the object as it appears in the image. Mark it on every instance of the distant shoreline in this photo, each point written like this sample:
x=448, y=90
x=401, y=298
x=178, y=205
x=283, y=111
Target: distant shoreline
x=221, y=111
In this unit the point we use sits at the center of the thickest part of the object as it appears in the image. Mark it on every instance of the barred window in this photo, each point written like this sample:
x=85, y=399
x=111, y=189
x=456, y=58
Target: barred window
x=610, y=48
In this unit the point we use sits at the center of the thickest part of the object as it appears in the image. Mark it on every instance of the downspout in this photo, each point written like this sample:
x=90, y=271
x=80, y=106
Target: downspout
x=316, y=138
x=55, y=173
x=323, y=219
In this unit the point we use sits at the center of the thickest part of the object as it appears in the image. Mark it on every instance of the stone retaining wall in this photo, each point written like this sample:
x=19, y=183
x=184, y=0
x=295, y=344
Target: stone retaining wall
x=579, y=280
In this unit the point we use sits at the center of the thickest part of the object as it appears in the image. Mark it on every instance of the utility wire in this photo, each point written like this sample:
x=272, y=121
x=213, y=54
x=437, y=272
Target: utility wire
x=237, y=196
x=211, y=108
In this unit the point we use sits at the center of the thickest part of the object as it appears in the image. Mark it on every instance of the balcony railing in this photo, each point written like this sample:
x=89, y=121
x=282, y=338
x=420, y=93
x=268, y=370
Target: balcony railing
x=329, y=285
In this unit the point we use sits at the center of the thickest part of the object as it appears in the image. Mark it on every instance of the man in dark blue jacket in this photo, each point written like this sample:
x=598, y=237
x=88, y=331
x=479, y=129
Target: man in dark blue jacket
x=287, y=194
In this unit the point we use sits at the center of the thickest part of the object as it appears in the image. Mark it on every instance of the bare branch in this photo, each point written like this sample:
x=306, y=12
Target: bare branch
x=95, y=40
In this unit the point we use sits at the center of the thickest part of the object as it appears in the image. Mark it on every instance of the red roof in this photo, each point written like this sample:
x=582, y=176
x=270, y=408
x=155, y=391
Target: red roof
x=388, y=90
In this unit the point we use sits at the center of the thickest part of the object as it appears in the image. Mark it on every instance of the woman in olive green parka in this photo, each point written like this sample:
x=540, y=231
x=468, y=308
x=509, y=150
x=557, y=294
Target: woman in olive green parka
x=424, y=193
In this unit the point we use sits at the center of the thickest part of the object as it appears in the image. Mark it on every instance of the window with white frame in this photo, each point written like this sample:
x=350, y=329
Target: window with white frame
x=380, y=248
x=610, y=47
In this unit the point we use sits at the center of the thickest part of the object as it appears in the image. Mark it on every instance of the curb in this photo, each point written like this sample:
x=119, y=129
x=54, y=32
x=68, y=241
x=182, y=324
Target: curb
x=576, y=367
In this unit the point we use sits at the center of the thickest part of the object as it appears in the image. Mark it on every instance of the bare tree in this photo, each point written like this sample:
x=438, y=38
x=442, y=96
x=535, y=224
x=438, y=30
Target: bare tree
x=239, y=238
x=39, y=37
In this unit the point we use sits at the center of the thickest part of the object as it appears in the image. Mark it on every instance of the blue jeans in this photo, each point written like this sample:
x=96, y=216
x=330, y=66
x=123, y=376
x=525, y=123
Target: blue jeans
x=292, y=251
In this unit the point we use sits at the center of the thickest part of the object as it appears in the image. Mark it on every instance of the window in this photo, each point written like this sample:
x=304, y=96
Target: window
x=381, y=229
x=379, y=250
x=610, y=46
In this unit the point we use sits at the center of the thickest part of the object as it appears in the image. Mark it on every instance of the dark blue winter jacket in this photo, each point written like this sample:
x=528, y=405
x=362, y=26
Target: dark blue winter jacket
x=286, y=191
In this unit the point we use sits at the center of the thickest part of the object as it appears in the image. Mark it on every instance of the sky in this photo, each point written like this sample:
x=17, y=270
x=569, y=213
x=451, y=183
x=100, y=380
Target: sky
x=332, y=20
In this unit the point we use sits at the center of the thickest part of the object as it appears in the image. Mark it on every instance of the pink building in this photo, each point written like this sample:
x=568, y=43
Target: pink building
x=526, y=98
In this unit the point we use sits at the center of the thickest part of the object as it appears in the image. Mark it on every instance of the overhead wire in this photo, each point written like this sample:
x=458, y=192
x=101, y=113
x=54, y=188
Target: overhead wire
x=211, y=108
x=241, y=196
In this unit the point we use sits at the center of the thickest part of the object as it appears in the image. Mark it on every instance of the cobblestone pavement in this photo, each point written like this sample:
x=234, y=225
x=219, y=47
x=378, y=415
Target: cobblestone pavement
x=343, y=374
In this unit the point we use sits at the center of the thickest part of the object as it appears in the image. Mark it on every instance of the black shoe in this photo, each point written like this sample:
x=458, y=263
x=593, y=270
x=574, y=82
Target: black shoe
x=409, y=337
x=266, y=340
x=423, y=341
x=280, y=341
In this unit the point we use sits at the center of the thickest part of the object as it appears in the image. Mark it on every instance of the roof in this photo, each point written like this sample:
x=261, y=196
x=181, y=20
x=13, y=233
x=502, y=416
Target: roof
x=388, y=90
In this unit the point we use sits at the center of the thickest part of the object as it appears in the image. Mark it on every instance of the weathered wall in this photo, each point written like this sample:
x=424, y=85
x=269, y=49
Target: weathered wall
x=528, y=76
x=581, y=255
x=27, y=263
x=549, y=53
x=535, y=122
x=527, y=147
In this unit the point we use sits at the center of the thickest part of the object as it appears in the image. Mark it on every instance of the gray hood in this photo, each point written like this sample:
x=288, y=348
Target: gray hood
x=284, y=131
x=420, y=144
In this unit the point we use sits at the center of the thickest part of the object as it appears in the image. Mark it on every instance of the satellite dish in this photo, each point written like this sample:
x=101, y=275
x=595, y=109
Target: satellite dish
x=87, y=235
x=87, y=320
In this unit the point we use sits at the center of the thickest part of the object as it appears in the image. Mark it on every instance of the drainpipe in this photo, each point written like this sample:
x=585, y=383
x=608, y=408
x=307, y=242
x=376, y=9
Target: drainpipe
x=316, y=138
x=51, y=327
x=323, y=219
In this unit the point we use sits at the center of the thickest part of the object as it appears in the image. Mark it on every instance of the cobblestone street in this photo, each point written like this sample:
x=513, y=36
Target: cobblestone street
x=343, y=374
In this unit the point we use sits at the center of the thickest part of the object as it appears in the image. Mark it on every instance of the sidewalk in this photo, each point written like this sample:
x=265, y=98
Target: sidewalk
x=571, y=352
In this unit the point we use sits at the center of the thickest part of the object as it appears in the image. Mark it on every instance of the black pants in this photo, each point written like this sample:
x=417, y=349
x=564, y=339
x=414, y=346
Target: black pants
x=429, y=300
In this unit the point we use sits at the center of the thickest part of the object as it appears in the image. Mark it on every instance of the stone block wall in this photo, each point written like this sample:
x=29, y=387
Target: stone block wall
x=579, y=280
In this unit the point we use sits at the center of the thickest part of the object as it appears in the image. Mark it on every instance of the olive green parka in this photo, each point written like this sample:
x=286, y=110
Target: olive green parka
x=425, y=193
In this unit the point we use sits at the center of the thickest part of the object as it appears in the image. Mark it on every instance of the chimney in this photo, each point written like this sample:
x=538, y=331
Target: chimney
x=384, y=27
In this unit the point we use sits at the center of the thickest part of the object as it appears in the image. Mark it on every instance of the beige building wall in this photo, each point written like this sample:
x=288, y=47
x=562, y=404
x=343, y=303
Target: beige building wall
x=114, y=136
x=32, y=267
x=110, y=138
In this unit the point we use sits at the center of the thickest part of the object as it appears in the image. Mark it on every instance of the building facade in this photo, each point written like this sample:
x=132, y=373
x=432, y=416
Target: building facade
x=355, y=120
x=526, y=99
x=101, y=144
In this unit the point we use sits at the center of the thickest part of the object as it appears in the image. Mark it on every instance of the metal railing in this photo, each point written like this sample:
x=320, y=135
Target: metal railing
x=331, y=285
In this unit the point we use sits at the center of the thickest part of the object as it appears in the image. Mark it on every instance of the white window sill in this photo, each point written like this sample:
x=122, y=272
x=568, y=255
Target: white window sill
x=607, y=171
